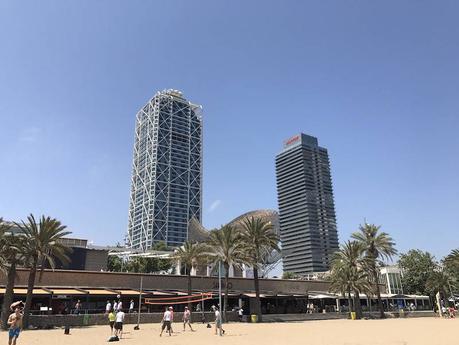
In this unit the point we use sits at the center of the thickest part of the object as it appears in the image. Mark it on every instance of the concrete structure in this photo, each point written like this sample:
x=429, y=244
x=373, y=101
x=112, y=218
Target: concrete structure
x=59, y=320
x=391, y=277
x=306, y=207
x=60, y=289
x=199, y=234
x=167, y=171
x=83, y=256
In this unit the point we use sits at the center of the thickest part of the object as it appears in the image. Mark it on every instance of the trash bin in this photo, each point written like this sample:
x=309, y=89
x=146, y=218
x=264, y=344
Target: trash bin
x=254, y=318
x=86, y=319
x=402, y=312
x=353, y=315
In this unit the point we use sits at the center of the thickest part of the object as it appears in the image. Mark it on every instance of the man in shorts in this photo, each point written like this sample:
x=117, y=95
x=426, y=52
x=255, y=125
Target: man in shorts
x=218, y=321
x=167, y=320
x=187, y=319
x=14, y=323
x=119, y=323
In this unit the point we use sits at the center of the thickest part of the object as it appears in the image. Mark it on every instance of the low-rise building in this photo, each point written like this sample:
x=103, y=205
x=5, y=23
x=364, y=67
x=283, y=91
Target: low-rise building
x=391, y=277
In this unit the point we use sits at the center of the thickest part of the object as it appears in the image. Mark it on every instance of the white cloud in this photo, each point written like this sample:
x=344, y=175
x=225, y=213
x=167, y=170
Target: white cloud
x=30, y=134
x=214, y=205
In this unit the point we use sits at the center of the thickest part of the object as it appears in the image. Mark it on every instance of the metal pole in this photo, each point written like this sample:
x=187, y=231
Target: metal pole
x=220, y=289
x=140, y=300
x=202, y=307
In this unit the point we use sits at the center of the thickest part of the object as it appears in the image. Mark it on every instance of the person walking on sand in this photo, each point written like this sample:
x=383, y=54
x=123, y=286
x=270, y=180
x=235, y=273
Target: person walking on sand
x=218, y=321
x=167, y=320
x=187, y=319
x=14, y=323
x=111, y=320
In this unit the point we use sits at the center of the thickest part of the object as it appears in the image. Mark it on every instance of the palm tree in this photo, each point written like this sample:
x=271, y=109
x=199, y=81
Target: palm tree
x=377, y=246
x=258, y=239
x=226, y=247
x=346, y=280
x=190, y=255
x=453, y=258
x=43, y=247
x=4, y=227
x=440, y=282
x=348, y=274
x=341, y=281
x=12, y=250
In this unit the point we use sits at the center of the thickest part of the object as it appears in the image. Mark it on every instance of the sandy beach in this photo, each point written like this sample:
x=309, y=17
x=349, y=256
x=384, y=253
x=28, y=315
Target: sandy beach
x=420, y=331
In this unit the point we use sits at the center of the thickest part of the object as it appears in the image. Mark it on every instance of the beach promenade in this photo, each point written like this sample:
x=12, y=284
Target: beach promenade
x=416, y=331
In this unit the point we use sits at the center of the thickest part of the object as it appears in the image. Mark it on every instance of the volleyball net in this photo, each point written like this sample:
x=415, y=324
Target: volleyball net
x=179, y=299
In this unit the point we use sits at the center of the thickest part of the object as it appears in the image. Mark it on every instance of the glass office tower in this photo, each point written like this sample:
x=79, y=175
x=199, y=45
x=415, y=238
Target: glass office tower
x=306, y=207
x=167, y=171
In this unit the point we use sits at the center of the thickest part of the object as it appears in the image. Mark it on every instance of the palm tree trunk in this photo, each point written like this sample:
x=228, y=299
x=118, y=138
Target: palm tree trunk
x=378, y=293
x=28, y=303
x=225, y=298
x=8, y=299
x=257, y=294
x=189, y=290
x=358, y=306
x=349, y=302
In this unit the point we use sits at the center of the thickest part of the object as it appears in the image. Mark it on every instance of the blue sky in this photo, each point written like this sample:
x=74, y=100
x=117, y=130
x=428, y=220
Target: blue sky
x=376, y=82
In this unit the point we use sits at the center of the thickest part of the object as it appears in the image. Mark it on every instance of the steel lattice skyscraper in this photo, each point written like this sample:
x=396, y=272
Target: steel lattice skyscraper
x=167, y=171
x=306, y=208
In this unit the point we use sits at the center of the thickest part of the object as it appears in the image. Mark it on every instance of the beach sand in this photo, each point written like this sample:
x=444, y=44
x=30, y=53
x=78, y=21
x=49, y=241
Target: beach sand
x=419, y=331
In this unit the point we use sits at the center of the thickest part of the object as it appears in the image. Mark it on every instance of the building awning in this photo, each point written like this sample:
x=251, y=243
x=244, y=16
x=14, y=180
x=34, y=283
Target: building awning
x=178, y=293
x=130, y=292
x=322, y=296
x=159, y=293
x=252, y=295
x=386, y=295
x=100, y=292
x=62, y=291
x=23, y=291
x=417, y=297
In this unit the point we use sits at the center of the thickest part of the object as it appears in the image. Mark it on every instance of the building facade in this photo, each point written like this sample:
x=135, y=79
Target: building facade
x=82, y=256
x=306, y=208
x=391, y=276
x=166, y=185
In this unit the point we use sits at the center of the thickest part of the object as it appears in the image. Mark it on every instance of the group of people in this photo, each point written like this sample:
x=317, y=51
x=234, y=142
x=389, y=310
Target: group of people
x=116, y=316
x=116, y=319
x=118, y=305
x=448, y=312
x=168, y=319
